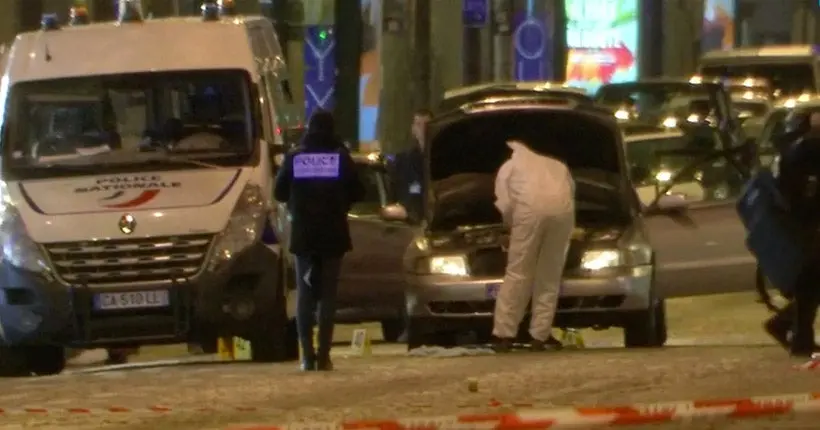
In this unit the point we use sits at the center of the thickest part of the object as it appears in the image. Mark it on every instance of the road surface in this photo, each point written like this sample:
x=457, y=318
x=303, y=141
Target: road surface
x=716, y=350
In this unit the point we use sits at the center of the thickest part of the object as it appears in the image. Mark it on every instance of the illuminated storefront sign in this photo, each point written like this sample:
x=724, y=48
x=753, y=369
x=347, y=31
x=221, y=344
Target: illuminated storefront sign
x=602, y=36
x=320, y=68
x=718, y=25
x=532, y=46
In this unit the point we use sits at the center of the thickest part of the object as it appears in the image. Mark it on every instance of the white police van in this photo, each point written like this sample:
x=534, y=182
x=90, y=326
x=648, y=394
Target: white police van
x=136, y=187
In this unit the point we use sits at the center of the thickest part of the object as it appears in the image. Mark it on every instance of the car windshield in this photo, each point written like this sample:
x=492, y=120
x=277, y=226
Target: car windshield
x=655, y=161
x=117, y=120
x=656, y=102
x=787, y=79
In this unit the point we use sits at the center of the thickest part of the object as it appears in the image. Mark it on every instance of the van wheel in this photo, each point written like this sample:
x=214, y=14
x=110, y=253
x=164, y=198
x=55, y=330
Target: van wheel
x=646, y=328
x=274, y=339
x=18, y=361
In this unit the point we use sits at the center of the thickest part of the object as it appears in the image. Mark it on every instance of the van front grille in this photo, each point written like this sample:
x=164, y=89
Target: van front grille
x=125, y=261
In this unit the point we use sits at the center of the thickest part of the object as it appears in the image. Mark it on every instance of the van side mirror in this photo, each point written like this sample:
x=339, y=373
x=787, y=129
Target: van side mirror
x=672, y=203
x=394, y=212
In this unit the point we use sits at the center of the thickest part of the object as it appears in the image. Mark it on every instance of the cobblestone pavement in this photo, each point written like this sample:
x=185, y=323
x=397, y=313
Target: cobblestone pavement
x=718, y=351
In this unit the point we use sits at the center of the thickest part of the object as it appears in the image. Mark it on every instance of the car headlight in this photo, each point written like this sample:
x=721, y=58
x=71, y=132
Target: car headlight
x=663, y=176
x=454, y=265
x=601, y=259
x=637, y=254
x=244, y=228
x=18, y=248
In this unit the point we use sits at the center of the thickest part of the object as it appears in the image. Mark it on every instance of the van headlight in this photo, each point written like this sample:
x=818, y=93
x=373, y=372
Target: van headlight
x=454, y=265
x=244, y=227
x=18, y=248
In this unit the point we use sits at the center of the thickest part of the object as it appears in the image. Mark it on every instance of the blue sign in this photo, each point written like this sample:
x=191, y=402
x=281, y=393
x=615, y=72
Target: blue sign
x=320, y=68
x=476, y=12
x=533, y=45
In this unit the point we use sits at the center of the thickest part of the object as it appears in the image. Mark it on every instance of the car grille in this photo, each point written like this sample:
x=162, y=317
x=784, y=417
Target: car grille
x=492, y=262
x=124, y=261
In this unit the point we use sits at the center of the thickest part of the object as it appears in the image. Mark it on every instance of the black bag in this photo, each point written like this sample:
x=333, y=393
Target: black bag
x=771, y=234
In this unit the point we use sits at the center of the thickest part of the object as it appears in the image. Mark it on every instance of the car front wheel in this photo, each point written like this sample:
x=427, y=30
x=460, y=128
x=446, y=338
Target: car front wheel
x=646, y=328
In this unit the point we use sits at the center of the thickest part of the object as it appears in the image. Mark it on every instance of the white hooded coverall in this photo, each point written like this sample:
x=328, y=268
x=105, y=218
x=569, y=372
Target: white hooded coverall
x=535, y=195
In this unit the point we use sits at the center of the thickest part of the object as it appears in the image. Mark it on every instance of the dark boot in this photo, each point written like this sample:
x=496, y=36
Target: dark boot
x=502, y=345
x=324, y=364
x=779, y=325
x=552, y=343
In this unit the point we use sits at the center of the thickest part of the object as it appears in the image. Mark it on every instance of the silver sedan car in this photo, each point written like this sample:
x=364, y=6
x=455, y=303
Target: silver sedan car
x=456, y=264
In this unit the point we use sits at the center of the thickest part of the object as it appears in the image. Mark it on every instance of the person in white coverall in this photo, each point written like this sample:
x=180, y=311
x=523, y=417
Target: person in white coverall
x=535, y=195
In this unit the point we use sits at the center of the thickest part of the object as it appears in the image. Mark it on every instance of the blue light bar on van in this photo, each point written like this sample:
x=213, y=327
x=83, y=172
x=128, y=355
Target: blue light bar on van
x=50, y=22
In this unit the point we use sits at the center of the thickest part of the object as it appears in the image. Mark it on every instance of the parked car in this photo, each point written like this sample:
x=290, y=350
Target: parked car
x=749, y=105
x=773, y=125
x=456, y=262
x=670, y=102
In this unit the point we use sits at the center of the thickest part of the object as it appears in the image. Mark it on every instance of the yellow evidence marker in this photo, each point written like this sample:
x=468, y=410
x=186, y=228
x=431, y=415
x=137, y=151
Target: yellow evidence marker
x=233, y=348
x=572, y=338
x=360, y=343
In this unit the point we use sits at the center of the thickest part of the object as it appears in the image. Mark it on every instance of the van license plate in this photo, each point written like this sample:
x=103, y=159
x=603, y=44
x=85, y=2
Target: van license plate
x=492, y=290
x=131, y=300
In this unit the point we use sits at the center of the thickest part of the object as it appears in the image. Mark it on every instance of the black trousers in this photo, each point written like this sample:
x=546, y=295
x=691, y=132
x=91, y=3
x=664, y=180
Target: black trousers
x=317, y=279
x=799, y=315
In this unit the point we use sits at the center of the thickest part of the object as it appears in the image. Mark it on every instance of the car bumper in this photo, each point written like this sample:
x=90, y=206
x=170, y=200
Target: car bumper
x=443, y=297
x=35, y=309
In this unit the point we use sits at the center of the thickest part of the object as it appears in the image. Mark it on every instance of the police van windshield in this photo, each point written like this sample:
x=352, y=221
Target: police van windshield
x=129, y=119
x=785, y=79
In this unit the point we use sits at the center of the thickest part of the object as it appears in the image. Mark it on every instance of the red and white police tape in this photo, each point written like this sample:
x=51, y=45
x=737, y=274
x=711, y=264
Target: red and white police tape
x=582, y=417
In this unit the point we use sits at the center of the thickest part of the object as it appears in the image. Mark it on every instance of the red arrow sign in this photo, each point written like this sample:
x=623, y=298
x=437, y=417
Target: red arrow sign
x=599, y=64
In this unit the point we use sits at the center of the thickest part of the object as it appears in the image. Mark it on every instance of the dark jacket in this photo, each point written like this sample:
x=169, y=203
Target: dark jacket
x=799, y=180
x=319, y=183
x=408, y=179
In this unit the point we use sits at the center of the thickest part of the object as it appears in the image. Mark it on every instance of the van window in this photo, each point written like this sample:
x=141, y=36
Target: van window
x=789, y=79
x=128, y=119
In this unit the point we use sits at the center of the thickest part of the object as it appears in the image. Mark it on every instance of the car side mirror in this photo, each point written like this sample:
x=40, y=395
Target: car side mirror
x=394, y=212
x=672, y=203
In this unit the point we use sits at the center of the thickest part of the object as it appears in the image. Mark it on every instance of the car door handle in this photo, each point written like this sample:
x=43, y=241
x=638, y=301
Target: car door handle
x=391, y=229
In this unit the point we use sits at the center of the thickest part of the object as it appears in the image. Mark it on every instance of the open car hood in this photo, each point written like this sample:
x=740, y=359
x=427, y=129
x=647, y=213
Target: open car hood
x=466, y=148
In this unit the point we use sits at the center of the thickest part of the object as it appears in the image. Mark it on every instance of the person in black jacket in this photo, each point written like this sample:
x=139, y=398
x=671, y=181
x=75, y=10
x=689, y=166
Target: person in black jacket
x=319, y=183
x=408, y=174
x=799, y=183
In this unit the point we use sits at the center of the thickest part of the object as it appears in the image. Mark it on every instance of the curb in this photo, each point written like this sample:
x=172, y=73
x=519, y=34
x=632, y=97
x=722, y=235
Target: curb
x=585, y=417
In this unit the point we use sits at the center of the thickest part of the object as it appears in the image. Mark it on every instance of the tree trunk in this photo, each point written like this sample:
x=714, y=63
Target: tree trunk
x=395, y=98
x=502, y=40
x=446, y=40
